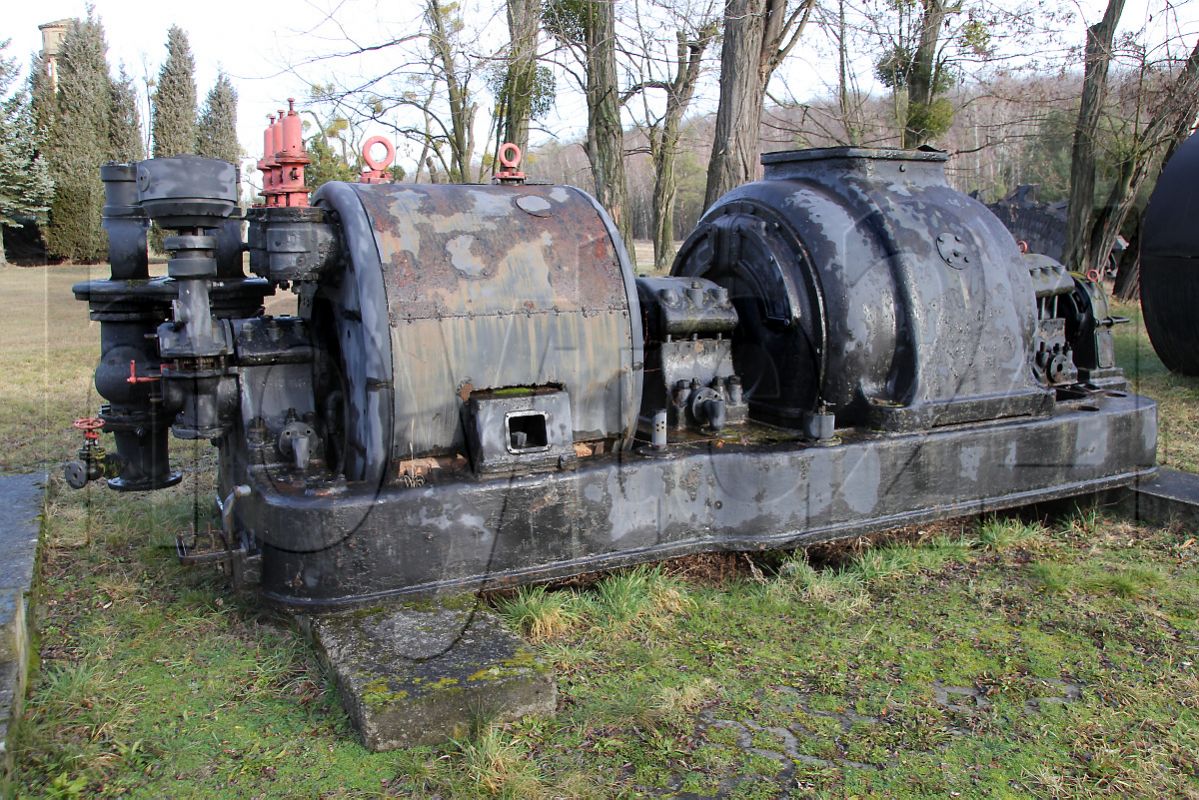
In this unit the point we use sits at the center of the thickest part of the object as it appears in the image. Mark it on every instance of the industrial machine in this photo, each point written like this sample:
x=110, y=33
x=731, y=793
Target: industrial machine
x=477, y=390
x=1170, y=261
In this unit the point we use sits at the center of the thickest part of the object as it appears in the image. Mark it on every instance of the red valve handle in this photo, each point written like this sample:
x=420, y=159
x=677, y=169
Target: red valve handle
x=135, y=378
x=1094, y=275
x=90, y=427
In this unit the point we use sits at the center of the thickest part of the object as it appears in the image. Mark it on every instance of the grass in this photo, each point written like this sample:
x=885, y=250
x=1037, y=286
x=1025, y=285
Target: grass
x=1177, y=395
x=1001, y=657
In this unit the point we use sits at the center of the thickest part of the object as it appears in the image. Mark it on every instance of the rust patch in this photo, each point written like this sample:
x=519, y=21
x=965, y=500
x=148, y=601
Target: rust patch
x=451, y=250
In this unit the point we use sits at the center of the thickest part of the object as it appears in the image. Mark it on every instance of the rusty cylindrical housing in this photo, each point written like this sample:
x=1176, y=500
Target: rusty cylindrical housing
x=450, y=291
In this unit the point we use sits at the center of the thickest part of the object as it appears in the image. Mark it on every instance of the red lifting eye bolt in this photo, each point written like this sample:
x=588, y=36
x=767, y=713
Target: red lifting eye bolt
x=510, y=157
x=378, y=168
x=90, y=426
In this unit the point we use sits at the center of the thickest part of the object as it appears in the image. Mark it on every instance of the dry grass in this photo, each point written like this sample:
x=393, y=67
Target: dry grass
x=47, y=353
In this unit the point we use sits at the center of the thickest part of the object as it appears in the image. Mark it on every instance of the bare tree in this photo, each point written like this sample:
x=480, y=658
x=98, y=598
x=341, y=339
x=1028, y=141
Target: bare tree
x=1100, y=38
x=849, y=98
x=588, y=29
x=925, y=75
x=696, y=29
x=520, y=87
x=1175, y=110
x=758, y=35
x=424, y=94
x=445, y=27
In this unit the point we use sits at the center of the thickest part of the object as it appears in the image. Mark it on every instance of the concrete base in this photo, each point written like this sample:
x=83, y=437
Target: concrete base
x=414, y=674
x=20, y=527
x=1170, y=497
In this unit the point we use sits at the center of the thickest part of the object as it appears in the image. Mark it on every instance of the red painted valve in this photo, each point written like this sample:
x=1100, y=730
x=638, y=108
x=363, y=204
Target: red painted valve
x=90, y=426
x=284, y=159
x=135, y=378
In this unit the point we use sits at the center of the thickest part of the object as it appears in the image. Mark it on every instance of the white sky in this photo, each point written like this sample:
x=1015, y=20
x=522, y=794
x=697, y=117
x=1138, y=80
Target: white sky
x=255, y=40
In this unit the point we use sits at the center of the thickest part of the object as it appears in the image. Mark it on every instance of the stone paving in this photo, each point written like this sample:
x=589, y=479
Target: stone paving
x=20, y=527
x=791, y=744
x=412, y=674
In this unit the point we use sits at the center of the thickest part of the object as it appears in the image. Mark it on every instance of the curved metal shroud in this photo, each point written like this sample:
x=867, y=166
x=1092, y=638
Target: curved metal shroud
x=865, y=282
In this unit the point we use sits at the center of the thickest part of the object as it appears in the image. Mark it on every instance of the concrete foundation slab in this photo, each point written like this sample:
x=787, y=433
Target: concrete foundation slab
x=1169, y=497
x=413, y=674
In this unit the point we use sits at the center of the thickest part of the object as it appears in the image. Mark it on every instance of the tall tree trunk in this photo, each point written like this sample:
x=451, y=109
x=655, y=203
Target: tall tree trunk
x=1082, y=158
x=426, y=144
x=1168, y=128
x=462, y=109
x=605, y=135
x=922, y=80
x=848, y=111
x=664, y=141
x=758, y=35
x=520, y=82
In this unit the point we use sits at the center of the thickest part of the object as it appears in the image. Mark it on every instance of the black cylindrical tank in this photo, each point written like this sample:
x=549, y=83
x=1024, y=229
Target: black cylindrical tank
x=1170, y=261
x=865, y=283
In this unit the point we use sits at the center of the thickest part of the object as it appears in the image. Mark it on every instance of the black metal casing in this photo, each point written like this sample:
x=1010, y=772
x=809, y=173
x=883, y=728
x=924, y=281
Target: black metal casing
x=475, y=388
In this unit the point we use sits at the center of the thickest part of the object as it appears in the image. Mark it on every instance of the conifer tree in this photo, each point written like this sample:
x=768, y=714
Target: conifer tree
x=41, y=96
x=216, y=132
x=174, y=123
x=25, y=187
x=78, y=142
x=126, y=134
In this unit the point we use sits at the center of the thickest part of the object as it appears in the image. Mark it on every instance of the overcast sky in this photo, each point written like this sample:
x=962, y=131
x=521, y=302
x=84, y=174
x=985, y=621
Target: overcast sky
x=256, y=41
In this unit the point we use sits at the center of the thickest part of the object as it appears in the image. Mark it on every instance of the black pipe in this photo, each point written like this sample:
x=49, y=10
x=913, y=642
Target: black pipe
x=125, y=222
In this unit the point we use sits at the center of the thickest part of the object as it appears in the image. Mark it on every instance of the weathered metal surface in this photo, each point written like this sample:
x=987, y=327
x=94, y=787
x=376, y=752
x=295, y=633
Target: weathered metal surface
x=685, y=306
x=489, y=287
x=690, y=377
x=835, y=263
x=1170, y=261
x=346, y=546
x=350, y=317
x=1041, y=226
x=526, y=429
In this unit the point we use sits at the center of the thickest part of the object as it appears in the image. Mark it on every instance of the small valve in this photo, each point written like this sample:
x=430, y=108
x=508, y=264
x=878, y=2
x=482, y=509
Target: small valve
x=91, y=460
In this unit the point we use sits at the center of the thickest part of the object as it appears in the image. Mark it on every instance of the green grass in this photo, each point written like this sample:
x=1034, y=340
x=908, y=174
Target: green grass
x=942, y=663
x=1177, y=395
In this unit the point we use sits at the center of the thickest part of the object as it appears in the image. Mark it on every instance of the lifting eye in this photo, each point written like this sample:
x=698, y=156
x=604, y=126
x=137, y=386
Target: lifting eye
x=526, y=432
